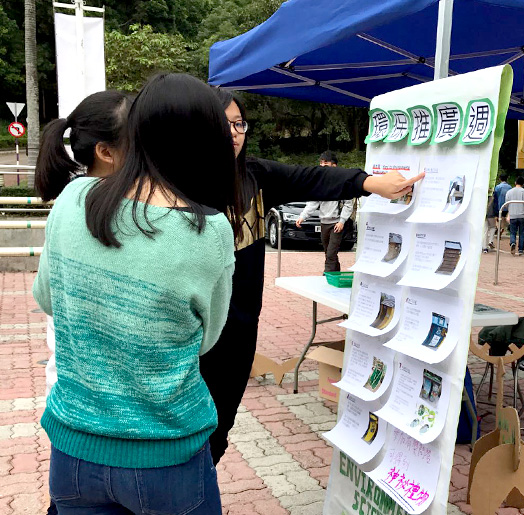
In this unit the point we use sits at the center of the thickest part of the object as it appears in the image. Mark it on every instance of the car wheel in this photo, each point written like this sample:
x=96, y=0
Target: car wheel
x=273, y=233
x=348, y=245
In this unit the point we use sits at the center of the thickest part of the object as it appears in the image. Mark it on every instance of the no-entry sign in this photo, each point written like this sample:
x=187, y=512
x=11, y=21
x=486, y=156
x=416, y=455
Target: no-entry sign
x=16, y=129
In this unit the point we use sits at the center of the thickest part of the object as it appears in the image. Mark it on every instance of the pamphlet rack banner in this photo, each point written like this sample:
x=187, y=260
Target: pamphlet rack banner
x=70, y=92
x=414, y=289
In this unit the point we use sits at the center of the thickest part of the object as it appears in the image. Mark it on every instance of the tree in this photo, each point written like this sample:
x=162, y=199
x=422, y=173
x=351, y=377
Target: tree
x=171, y=16
x=131, y=59
x=31, y=85
x=11, y=58
x=13, y=21
x=226, y=20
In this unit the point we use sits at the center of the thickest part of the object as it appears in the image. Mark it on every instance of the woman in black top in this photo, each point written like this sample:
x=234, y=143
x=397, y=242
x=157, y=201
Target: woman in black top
x=227, y=366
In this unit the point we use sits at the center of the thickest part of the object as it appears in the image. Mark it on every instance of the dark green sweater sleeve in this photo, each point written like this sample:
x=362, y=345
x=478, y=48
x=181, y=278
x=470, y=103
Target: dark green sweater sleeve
x=281, y=183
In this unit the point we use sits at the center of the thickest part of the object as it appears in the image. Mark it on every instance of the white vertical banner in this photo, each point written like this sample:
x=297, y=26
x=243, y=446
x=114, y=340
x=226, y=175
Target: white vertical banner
x=451, y=129
x=69, y=66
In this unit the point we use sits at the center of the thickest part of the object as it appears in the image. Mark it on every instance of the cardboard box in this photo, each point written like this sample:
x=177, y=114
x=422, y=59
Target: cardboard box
x=330, y=357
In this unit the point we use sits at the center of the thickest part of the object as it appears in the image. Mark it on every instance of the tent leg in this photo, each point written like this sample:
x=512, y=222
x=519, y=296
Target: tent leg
x=445, y=18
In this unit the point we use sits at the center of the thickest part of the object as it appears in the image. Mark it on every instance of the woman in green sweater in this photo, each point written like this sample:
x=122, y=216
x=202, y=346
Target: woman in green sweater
x=137, y=272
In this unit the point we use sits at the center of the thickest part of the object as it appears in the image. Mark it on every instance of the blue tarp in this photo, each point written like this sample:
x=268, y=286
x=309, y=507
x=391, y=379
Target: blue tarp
x=348, y=51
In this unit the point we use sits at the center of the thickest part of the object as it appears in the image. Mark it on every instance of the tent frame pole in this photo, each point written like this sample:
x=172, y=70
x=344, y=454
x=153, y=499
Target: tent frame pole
x=445, y=19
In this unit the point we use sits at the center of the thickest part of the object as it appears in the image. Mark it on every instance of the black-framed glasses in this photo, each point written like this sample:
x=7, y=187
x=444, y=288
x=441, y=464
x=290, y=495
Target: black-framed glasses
x=240, y=126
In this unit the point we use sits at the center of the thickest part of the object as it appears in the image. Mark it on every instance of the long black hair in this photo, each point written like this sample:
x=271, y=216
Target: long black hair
x=99, y=118
x=248, y=183
x=173, y=116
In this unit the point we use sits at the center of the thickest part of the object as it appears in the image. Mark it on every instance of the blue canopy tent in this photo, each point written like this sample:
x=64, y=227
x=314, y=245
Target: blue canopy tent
x=348, y=51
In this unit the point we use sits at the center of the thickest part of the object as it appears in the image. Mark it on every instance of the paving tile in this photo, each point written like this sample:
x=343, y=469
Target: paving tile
x=5, y=504
x=21, y=430
x=27, y=504
x=277, y=462
x=24, y=404
x=269, y=507
x=24, y=463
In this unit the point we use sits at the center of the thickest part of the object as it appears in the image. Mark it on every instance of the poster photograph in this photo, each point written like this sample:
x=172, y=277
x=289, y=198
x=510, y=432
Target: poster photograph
x=446, y=190
x=439, y=255
x=377, y=309
x=429, y=327
x=419, y=400
x=359, y=432
x=385, y=246
x=369, y=371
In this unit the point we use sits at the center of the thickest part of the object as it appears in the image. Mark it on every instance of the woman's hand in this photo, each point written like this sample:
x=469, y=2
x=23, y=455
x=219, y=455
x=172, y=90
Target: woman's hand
x=391, y=185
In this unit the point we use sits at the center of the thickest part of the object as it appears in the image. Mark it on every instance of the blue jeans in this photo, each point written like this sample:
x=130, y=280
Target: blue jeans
x=80, y=487
x=516, y=225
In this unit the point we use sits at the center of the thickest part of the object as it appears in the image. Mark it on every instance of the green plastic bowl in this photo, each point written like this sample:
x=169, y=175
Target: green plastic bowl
x=340, y=279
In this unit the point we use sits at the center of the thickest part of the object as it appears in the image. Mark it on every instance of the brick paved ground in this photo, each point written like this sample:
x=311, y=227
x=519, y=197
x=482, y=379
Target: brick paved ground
x=277, y=462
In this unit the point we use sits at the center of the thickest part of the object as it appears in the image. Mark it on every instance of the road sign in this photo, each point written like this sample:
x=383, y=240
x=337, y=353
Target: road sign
x=16, y=129
x=16, y=108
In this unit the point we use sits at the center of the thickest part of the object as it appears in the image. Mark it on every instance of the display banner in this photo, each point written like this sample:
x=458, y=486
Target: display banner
x=414, y=290
x=70, y=92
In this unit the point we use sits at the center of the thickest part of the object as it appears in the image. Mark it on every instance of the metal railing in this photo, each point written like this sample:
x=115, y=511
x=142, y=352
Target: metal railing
x=17, y=201
x=497, y=258
x=21, y=169
x=21, y=201
x=279, y=239
x=20, y=251
x=22, y=224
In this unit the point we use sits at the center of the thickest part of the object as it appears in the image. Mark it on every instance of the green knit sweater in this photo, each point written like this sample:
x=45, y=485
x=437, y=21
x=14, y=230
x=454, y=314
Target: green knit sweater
x=130, y=325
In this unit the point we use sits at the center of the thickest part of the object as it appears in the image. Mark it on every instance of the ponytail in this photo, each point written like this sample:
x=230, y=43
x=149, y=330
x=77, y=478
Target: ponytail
x=54, y=166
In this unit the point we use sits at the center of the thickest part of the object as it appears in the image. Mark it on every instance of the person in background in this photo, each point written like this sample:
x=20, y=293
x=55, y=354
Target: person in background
x=265, y=184
x=516, y=216
x=137, y=271
x=334, y=215
x=97, y=127
x=499, y=198
x=490, y=226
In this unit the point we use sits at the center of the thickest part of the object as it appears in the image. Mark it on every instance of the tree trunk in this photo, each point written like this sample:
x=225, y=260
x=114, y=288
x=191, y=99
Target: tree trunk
x=31, y=86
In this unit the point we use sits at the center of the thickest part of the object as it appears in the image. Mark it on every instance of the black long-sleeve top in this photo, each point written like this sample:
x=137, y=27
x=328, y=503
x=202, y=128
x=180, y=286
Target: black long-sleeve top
x=277, y=183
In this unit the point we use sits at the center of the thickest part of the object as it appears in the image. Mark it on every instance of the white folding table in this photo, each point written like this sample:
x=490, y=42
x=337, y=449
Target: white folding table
x=317, y=289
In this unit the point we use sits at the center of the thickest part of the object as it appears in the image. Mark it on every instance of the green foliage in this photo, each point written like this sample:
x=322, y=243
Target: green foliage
x=18, y=191
x=188, y=15
x=171, y=16
x=354, y=159
x=12, y=59
x=133, y=58
x=280, y=126
x=226, y=20
x=146, y=36
x=11, y=54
